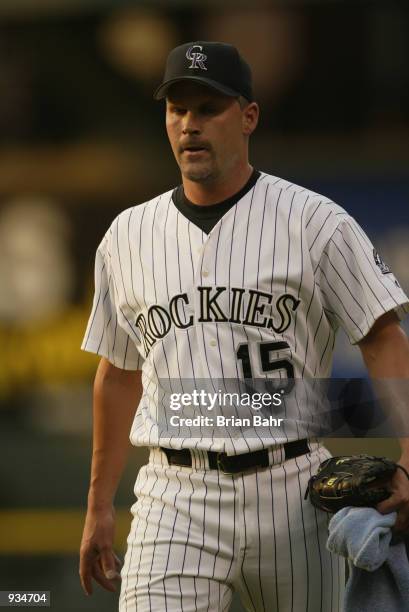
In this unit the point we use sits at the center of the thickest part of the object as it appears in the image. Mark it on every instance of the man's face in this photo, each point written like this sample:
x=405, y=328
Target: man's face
x=205, y=130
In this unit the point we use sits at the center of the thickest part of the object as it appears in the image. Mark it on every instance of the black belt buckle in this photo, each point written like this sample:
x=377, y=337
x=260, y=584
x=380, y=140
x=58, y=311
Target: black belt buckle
x=220, y=457
x=235, y=464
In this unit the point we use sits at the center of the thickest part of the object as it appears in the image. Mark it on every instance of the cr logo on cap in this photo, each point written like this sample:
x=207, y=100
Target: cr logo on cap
x=197, y=59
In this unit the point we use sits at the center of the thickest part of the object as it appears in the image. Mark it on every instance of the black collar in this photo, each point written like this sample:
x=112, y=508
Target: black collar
x=206, y=217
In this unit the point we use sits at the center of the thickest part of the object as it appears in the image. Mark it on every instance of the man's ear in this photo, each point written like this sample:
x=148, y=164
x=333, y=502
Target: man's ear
x=250, y=118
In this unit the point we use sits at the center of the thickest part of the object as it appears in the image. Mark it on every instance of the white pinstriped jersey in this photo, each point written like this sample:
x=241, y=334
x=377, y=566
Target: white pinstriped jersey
x=283, y=267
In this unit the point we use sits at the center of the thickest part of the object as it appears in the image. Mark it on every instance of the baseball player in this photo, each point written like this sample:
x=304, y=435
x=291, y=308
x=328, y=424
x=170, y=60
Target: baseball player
x=234, y=274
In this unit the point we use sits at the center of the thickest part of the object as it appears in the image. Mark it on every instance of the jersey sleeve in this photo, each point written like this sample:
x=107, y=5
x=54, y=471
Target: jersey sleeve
x=104, y=334
x=356, y=286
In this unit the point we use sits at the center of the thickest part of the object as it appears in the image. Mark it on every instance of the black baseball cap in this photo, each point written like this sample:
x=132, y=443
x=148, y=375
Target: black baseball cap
x=215, y=64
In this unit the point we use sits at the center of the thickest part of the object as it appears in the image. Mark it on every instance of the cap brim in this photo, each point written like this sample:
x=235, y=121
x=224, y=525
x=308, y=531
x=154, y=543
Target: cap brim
x=162, y=90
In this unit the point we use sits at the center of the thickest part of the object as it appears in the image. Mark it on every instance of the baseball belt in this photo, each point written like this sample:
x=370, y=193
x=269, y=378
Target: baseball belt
x=234, y=464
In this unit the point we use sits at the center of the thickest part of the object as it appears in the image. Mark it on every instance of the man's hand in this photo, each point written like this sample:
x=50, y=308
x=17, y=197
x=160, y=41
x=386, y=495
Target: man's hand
x=97, y=558
x=398, y=501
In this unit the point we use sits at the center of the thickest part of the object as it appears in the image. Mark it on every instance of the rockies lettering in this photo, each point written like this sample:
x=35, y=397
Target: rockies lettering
x=159, y=321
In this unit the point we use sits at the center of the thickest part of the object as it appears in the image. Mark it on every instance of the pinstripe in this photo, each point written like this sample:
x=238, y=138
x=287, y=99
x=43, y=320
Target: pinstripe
x=288, y=259
x=172, y=533
x=187, y=540
x=105, y=332
x=164, y=252
x=204, y=522
x=206, y=357
x=229, y=281
x=305, y=539
x=129, y=324
x=259, y=543
x=275, y=236
x=243, y=575
x=308, y=330
x=302, y=271
x=219, y=344
x=319, y=552
x=106, y=327
x=318, y=325
x=233, y=547
x=326, y=346
x=130, y=261
x=350, y=271
x=289, y=538
x=320, y=229
x=313, y=214
x=178, y=250
x=190, y=249
x=111, y=350
x=261, y=235
x=339, y=299
x=146, y=527
x=95, y=310
x=153, y=248
x=247, y=234
x=125, y=353
x=180, y=286
x=157, y=378
x=218, y=525
x=154, y=544
x=325, y=308
x=140, y=256
x=317, y=534
x=121, y=269
x=130, y=551
x=347, y=288
x=288, y=241
x=274, y=538
x=218, y=546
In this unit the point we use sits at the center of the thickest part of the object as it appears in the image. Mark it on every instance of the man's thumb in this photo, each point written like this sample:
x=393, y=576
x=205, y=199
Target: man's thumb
x=108, y=565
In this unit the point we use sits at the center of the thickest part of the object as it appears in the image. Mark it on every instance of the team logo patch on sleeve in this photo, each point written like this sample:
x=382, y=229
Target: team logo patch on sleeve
x=384, y=268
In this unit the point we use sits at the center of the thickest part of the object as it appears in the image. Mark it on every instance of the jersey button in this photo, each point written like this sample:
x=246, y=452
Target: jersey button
x=205, y=273
x=213, y=343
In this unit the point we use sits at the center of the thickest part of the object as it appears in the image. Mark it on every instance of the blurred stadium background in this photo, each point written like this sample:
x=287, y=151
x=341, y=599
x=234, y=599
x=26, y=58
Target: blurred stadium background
x=81, y=139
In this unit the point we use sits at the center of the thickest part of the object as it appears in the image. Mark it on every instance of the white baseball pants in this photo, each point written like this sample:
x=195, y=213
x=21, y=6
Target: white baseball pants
x=199, y=534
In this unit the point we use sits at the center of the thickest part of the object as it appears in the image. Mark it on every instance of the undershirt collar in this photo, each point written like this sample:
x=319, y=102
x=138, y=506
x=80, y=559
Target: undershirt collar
x=206, y=217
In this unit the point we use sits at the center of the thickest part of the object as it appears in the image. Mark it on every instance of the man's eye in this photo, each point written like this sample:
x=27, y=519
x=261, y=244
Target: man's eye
x=178, y=111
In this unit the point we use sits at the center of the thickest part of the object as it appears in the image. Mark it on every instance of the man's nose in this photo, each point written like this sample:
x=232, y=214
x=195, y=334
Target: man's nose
x=191, y=124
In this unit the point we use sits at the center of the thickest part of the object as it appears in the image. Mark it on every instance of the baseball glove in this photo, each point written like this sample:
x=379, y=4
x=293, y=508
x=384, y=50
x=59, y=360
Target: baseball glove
x=355, y=480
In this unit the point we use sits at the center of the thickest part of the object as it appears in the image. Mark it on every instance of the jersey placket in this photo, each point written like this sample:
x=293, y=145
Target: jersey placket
x=206, y=331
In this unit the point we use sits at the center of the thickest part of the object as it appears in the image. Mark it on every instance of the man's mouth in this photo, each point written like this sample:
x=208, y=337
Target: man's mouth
x=194, y=148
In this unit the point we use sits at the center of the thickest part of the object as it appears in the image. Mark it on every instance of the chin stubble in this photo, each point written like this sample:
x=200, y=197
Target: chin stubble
x=198, y=176
x=197, y=172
